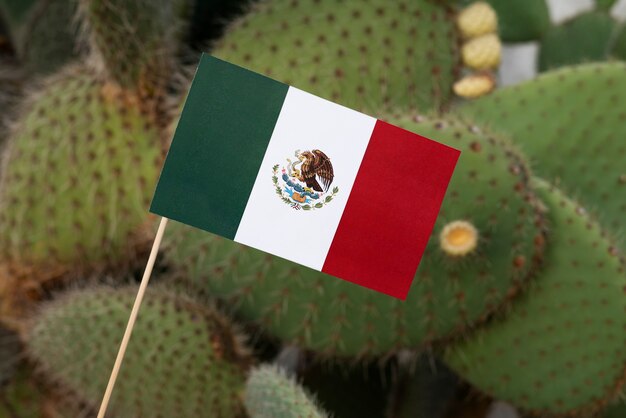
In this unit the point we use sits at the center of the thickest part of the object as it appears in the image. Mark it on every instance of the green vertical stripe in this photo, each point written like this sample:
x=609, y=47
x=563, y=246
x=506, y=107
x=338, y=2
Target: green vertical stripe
x=218, y=147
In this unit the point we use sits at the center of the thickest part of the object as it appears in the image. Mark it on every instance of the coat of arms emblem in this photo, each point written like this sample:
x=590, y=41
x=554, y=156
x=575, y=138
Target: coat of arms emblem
x=305, y=183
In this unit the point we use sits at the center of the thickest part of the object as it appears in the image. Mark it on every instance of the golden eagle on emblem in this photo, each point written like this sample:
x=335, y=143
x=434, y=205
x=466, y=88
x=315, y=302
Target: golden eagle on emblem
x=316, y=170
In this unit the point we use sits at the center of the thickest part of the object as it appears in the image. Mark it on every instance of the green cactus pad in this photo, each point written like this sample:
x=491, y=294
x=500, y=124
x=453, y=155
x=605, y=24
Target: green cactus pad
x=618, y=44
x=585, y=38
x=605, y=5
x=571, y=123
x=521, y=20
x=368, y=55
x=78, y=178
x=22, y=393
x=50, y=37
x=183, y=360
x=272, y=394
x=44, y=32
x=11, y=85
x=562, y=347
x=14, y=13
x=135, y=39
x=489, y=189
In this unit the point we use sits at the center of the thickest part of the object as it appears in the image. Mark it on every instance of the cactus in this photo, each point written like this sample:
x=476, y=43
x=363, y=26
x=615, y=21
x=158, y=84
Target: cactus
x=11, y=85
x=48, y=41
x=270, y=393
x=138, y=55
x=368, y=55
x=21, y=396
x=605, y=5
x=618, y=44
x=585, y=38
x=450, y=292
x=13, y=15
x=184, y=359
x=562, y=348
x=570, y=122
x=43, y=32
x=78, y=178
x=521, y=20
x=87, y=144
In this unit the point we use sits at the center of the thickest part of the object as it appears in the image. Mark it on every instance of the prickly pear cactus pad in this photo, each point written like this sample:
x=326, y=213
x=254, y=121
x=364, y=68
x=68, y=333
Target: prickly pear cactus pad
x=13, y=14
x=572, y=124
x=562, y=348
x=134, y=39
x=367, y=55
x=605, y=5
x=21, y=393
x=11, y=85
x=521, y=20
x=618, y=44
x=585, y=38
x=468, y=270
x=47, y=39
x=270, y=393
x=78, y=178
x=184, y=359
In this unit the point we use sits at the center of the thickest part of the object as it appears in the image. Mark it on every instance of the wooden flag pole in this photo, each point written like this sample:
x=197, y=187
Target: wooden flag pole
x=133, y=316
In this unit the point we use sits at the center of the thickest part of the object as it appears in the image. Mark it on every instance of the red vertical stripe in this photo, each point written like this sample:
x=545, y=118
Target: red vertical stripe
x=391, y=210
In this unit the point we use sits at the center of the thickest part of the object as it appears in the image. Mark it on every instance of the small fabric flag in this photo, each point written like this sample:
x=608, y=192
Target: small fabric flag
x=289, y=173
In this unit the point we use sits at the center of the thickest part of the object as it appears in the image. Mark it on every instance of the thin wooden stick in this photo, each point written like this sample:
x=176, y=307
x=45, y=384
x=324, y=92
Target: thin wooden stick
x=133, y=316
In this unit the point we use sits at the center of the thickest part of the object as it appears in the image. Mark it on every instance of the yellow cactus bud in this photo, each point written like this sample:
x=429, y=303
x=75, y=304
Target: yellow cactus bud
x=477, y=19
x=458, y=238
x=482, y=53
x=474, y=85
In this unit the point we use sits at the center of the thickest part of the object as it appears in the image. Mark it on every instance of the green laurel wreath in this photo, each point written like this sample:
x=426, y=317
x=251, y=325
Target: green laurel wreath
x=318, y=205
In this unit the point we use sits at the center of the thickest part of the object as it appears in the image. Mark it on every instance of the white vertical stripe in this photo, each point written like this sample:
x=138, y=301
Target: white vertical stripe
x=306, y=122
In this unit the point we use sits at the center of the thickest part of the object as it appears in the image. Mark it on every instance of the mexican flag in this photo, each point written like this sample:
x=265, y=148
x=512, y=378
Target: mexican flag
x=281, y=170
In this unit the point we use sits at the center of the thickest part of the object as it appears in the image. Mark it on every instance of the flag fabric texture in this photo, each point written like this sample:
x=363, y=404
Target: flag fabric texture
x=281, y=170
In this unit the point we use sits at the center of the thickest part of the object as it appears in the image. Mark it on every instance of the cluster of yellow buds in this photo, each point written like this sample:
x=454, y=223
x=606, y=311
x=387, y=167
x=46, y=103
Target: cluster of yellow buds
x=475, y=85
x=481, y=49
